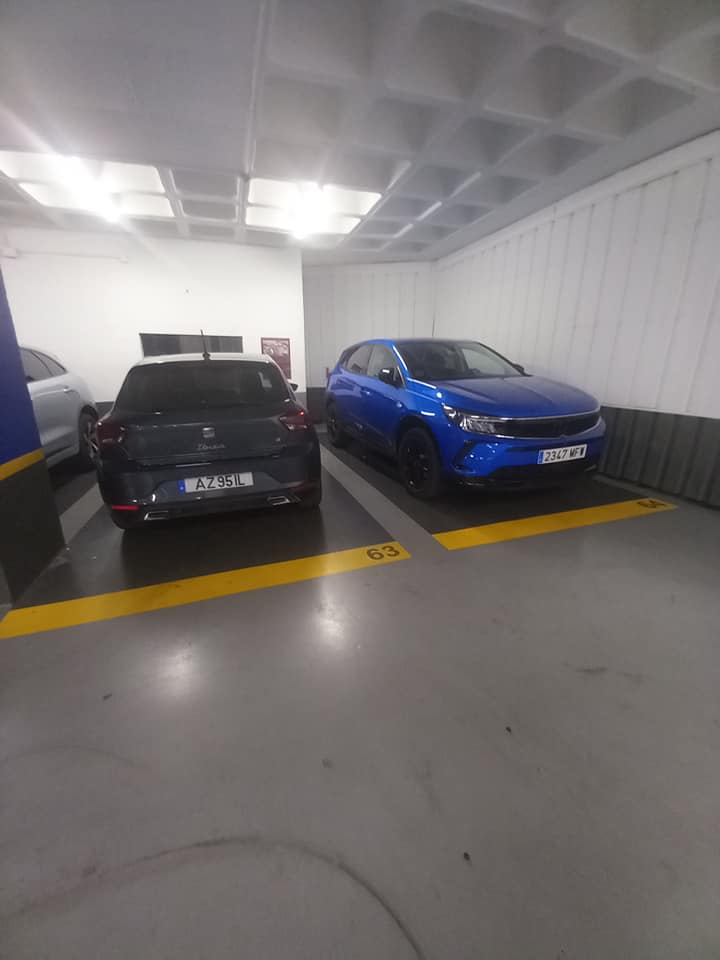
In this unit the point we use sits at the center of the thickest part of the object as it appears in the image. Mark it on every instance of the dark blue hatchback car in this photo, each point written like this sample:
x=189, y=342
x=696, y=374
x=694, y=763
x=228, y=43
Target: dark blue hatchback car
x=457, y=409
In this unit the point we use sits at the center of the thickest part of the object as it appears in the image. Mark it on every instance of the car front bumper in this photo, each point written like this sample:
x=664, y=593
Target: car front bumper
x=480, y=461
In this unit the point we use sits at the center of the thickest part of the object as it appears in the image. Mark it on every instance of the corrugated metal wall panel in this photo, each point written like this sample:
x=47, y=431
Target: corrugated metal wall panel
x=668, y=452
x=345, y=304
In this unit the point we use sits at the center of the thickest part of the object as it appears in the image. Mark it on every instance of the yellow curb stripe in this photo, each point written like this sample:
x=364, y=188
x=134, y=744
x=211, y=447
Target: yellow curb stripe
x=549, y=523
x=20, y=463
x=105, y=606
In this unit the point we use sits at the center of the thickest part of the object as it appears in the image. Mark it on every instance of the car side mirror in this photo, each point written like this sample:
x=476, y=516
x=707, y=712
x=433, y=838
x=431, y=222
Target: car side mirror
x=293, y=386
x=519, y=367
x=388, y=375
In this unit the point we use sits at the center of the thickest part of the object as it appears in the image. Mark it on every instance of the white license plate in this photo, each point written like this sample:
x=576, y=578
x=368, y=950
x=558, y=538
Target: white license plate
x=224, y=481
x=561, y=454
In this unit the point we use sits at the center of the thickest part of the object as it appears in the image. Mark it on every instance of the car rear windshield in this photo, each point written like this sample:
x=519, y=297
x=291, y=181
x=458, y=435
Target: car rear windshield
x=164, y=387
x=453, y=360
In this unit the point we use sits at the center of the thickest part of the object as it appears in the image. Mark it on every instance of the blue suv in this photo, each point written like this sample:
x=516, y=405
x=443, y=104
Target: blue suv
x=457, y=409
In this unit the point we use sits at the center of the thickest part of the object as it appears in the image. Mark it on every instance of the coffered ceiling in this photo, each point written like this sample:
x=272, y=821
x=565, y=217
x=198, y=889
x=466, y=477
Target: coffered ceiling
x=439, y=121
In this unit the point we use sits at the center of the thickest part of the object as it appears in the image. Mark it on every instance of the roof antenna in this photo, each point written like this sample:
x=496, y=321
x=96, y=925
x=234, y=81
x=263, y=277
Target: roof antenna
x=205, y=354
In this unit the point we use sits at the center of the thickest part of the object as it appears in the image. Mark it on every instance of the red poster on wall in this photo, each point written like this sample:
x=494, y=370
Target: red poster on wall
x=279, y=349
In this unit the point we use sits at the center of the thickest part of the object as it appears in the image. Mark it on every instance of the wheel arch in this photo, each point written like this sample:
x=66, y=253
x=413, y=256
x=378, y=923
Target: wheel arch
x=408, y=422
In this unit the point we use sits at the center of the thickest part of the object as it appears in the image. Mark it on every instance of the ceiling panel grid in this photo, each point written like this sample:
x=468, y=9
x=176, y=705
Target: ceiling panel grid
x=435, y=122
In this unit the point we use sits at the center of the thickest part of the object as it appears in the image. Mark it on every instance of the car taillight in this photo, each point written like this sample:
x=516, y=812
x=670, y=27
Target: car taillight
x=297, y=420
x=109, y=433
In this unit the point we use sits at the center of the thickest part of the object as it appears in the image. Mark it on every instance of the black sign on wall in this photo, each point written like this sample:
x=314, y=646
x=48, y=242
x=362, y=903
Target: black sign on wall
x=158, y=344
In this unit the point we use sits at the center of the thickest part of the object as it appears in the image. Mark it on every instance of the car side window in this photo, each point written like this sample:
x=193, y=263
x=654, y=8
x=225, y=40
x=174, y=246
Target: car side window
x=56, y=369
x=33, y=366
x=381, y=357
x=358, y=360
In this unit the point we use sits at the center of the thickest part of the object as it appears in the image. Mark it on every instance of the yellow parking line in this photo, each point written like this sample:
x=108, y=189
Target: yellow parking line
x=20, y=463
x=549, y=523
x=105, y=606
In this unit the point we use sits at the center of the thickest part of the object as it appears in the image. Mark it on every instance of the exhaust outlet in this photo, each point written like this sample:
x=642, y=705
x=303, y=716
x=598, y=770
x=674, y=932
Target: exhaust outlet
x=156, y=515
x=278, y=501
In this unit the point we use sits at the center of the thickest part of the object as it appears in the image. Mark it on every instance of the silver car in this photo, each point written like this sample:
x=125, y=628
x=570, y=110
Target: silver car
x=64, y=409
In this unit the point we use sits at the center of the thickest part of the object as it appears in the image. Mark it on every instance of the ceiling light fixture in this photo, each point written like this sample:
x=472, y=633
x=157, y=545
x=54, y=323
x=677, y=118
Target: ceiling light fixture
x=88, y=190
x=310, y=211
x=306, y=209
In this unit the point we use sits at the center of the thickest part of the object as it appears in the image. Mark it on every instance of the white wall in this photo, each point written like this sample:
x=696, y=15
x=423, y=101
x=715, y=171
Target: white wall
x=615, y=289
x=348, y=303
x=86, y=297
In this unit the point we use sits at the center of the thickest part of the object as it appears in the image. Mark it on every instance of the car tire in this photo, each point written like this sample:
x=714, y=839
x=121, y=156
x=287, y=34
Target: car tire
x=313, y=501
x=420, y=466
x=86, y=440
x=336, y=434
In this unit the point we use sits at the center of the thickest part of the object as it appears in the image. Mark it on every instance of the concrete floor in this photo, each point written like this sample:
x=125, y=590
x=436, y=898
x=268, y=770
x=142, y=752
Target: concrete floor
x=507, y=752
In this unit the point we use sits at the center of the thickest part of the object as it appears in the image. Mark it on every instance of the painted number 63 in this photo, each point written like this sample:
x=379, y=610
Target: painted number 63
x=380, y=553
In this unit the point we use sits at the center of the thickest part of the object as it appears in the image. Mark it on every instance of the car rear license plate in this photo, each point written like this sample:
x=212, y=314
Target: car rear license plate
x=224, y=481
x=561, y=454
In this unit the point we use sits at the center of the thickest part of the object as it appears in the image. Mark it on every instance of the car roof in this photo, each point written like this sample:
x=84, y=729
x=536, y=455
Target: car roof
x=45, y=353
x=185, y=357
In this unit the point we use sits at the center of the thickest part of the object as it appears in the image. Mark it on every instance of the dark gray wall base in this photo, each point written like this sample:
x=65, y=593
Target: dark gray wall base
x=316, y=404
x=31, y=532
x=669, y=452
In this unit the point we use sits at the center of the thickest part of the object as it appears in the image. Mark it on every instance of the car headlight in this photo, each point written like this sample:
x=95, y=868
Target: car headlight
x=472, y=422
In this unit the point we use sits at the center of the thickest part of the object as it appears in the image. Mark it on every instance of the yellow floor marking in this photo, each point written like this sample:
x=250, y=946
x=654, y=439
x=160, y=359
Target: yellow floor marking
x=549, y=523
x=105, y=606
x=20, y=463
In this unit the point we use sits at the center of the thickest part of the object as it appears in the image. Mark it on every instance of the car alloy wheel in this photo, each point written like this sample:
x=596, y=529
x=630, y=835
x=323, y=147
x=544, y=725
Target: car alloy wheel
x=88, y=448
x=338, y=437
x=420, y=465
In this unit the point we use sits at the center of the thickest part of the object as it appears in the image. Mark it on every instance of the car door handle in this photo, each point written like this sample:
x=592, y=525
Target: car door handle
x=67, y=389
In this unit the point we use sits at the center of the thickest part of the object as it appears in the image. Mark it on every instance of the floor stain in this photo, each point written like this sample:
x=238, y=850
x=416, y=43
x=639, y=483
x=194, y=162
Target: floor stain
x=599, y=671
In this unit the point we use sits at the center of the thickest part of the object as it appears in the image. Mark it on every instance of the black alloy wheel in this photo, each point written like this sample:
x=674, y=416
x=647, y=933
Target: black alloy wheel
x=87, y=453
x=420, y=466
x=338, y=437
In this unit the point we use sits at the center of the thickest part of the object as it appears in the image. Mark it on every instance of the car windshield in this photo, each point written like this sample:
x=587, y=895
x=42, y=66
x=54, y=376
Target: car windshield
x=453, y=360
x=186, y=385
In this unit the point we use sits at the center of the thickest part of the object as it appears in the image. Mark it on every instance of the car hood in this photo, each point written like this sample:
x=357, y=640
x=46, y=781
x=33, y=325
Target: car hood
x=515, y=397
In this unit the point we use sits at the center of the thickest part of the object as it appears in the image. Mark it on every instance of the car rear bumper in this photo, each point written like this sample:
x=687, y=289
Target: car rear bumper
x=157, y=492
x=514, y=462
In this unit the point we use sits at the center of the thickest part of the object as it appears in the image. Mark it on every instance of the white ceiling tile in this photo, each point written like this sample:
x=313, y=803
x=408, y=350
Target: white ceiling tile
x=448, y=56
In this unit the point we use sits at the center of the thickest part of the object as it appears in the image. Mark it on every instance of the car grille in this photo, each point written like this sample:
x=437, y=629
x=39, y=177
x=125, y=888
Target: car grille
x=549, y=426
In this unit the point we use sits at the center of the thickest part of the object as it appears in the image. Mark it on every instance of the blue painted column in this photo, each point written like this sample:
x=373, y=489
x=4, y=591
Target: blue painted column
x=30, y=532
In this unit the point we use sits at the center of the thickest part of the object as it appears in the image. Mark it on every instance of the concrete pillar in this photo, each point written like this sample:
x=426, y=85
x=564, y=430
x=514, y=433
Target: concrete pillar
x=30, y=532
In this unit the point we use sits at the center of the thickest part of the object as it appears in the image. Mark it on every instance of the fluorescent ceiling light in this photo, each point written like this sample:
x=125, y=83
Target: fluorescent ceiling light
x=130, y=178
x=45, y=167
x=341, y=224
x=272, y=193
x=69, y=198
x=305, y=209
x=52, y=168
x=143, y=205
x=77, y=190
x=310, y=211
x=267, y=218
x=355, y=202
